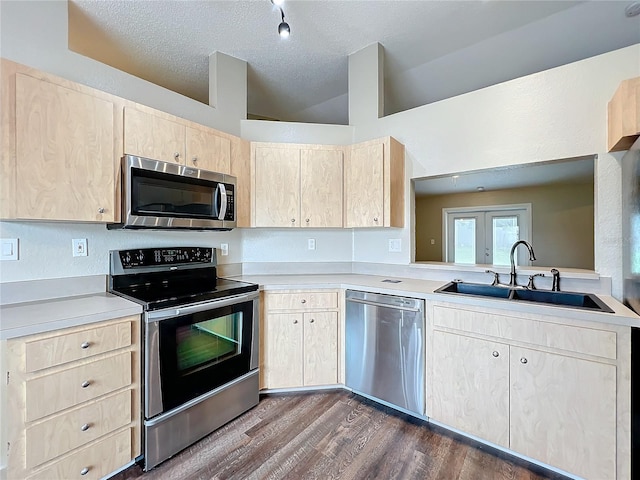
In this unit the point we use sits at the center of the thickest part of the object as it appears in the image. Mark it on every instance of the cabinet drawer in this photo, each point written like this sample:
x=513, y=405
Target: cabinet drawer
x=301, y=300
x=55, y=392
x=67, y=431
x=589, y=341
x=92, y=462
x=60, y=349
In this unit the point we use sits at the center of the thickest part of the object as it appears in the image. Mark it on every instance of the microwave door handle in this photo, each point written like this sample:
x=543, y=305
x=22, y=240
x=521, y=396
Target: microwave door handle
x=223, y=201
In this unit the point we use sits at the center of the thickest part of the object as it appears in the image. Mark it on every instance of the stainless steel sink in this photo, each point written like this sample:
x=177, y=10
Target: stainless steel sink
x=583, y=301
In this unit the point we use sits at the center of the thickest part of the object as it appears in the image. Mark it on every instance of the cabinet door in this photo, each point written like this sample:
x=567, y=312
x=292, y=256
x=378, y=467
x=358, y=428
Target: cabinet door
x=283, y=350
x=563, y=412
x=320, y=348
x=364, y=187
x=153, y=137
x=65, y=152
x=321, y=188
x=208, y=151
x=469, y=388
x=277, y=176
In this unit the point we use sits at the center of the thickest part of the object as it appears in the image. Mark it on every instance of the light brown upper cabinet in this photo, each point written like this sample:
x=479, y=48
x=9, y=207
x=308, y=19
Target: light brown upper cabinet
x=297, y=185
x=624, y=116
x=206, y=150
x=65, y=152
x=152, y=136
x=374, y=184
x=159, y=136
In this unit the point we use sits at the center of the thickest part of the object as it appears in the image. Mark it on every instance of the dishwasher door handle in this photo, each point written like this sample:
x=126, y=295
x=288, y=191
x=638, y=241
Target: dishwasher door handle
x=384, y=305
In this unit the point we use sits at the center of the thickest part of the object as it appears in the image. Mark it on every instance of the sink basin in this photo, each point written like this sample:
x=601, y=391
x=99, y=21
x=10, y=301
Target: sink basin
x=477, y=289
x=583, y=301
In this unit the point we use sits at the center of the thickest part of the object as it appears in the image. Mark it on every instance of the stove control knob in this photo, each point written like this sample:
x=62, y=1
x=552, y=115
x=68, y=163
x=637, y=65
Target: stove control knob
x=140, y=256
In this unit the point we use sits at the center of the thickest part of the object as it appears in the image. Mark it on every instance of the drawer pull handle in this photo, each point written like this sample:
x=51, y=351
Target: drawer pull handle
x=496, y=353
x=84, y=471
x=85, y=384
x=523, y=360
x=84, y=427
x=85, y=345
x=303, y=301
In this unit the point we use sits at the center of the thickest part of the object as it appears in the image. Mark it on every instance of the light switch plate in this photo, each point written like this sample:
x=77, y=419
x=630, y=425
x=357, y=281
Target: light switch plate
x=9, y=249
x=395, y=245
x=311, y=244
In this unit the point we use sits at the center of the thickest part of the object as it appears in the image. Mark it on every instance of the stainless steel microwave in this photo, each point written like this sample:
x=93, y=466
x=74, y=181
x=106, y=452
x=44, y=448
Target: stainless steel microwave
x=163, y=195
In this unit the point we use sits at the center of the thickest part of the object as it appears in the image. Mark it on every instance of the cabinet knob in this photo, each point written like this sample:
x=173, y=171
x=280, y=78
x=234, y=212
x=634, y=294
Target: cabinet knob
x=295, y=321
x=375, y=219
x=312, y=320
x=85, y=384
x=84, y=427
x=85, y=345
x=84, y=471
x=523, y=360
x=101, y=210
x=176, y=155
x=307, y=220
x=496, y=353
x=195, y=160
x=293, y=220
x=303, y=301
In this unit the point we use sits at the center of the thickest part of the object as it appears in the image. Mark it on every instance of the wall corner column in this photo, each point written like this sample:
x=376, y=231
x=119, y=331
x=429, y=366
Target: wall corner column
x=366, y=84
x=228, y=85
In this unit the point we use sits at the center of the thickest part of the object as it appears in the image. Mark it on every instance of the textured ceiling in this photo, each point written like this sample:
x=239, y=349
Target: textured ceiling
x=433, y=49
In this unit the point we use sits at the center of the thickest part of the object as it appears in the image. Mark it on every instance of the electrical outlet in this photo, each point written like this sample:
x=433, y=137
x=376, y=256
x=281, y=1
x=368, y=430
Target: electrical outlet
x=79, y=246
x=433, y=241
x=9, y=249
x=395, y=245
x=311, y=244
x=224, y=249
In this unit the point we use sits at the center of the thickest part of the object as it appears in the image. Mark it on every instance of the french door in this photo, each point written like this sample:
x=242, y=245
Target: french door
x=485, y=236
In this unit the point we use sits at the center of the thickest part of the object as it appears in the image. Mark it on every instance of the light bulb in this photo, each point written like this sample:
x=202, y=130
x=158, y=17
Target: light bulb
x=284, y=30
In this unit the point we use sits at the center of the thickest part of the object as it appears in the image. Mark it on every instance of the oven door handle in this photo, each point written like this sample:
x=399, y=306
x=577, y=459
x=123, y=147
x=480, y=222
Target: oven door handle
x=155, y=316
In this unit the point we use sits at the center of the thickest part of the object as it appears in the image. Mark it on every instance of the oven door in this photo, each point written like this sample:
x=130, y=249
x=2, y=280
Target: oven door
x=192, y=350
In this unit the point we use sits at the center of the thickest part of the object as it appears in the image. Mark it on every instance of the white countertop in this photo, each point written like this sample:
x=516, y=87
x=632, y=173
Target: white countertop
x=425, y=289
x=28, y=318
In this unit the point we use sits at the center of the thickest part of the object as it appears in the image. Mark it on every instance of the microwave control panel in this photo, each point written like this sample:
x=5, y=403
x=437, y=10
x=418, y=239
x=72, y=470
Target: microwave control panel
x=229, y=214
x=148, y=257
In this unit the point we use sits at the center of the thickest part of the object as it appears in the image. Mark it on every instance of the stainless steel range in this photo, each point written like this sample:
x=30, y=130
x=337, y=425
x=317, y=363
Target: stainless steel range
x=200, y=341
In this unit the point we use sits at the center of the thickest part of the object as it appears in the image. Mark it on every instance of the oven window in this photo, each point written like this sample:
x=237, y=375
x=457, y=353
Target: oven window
x=201, y=351
x=209, y=342
x=161, y=194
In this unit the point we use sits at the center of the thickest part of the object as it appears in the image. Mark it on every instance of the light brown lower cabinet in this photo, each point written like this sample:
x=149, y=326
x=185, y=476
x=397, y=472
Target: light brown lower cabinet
x=552, y=389
x=299, y=339
x=73, y=401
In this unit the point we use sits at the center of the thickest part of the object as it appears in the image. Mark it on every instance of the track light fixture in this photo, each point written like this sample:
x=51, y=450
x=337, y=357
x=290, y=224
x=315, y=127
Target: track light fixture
x=283, y=29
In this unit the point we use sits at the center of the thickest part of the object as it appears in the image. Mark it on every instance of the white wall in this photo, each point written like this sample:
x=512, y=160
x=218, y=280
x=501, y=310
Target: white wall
x=45, y=248
x=555, y=114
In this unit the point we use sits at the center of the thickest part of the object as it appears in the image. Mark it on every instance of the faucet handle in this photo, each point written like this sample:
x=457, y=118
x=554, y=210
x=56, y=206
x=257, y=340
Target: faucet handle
x=496, y=277
x=555, y=287
x=531, y=285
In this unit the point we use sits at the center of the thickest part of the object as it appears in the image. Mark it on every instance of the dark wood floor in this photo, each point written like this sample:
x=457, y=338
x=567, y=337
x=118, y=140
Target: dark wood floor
x=335, y=435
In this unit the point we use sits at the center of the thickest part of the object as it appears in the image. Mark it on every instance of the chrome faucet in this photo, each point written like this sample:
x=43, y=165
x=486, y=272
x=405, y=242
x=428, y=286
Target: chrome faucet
x=532, y=257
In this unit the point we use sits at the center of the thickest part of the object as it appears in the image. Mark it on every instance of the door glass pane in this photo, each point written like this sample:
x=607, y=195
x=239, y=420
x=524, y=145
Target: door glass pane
x=464, y=240
x=505, y=233
x=209, y=342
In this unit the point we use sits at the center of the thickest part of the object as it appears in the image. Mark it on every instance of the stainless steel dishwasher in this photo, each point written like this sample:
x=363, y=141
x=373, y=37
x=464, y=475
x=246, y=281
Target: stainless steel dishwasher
x=385, y=357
